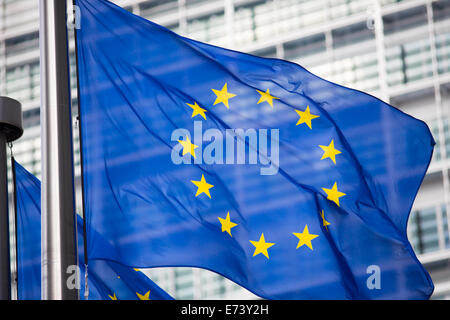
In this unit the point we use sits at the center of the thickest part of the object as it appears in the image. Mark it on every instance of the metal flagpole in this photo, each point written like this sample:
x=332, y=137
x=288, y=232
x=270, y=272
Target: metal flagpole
x=16, y=275
x=10, y=130
x=80, y=135
x=59, y=245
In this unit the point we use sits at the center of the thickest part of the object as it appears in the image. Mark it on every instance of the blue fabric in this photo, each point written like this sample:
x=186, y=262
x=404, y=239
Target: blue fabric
x=107, y=279
x=139, y=83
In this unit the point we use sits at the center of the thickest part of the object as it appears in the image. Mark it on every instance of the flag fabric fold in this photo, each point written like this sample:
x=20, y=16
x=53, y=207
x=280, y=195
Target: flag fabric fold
x=194, y=155
x=107, y=279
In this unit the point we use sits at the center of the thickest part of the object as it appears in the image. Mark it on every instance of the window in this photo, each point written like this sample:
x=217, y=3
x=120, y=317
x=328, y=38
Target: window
x=388, y=2
x=441, y=10
x=359, y=72
x=193, y=3
x=294, y=15
x=22, y=44
x=210, y=28
x=304, y=47
x=352, y=34
x=184, y=283
x=437, y=148
x=31, y=118
x=154, y=8
x=443, y=51
x=342, y=8
x=213, y=285
x=406, y=19
x=435, y=132
x=20, y=13
x=423, y=228
x=23, y=82
x=445, y=227
x=270, y=52
x=408, y=62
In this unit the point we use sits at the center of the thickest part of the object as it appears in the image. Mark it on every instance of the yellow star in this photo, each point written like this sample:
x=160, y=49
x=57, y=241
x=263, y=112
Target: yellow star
x=113, y=297
x=261, y=246
x=223, y=96
x=333, y=194
x=196, y=109
x=136, y=269
x=305, y=238
x=227, y=224
x=266, y=96
x=325, y=222
x=203, y=186
x=305, y=117
x=144, y=296
x=188, y=147
x=330, y=152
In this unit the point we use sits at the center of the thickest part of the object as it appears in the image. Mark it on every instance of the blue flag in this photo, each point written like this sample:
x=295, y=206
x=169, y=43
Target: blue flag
x=289, y=185
x=107, y=279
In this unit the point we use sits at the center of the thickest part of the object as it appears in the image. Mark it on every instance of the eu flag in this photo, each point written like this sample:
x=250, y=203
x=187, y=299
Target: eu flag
x=107, y=279
x=254, y=168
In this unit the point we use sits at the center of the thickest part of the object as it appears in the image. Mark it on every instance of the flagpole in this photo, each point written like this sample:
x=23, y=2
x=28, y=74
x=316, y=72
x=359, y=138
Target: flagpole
x=13, y=169
x=59, y=245
x=80, y=136
x=10, y=130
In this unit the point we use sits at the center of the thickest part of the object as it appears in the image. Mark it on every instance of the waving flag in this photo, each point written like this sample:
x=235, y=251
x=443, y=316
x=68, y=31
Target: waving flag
x=254, y=168
x=107, y=280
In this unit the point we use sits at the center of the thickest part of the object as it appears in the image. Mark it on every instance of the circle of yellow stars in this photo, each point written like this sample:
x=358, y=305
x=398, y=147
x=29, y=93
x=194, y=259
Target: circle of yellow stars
x=333, y=194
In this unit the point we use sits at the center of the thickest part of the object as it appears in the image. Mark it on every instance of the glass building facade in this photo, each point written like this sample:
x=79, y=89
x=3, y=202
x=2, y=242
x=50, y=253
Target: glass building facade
x=397, y=50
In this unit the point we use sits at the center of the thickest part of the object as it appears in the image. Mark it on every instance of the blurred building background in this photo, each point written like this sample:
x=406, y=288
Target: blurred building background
x=397, y=50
